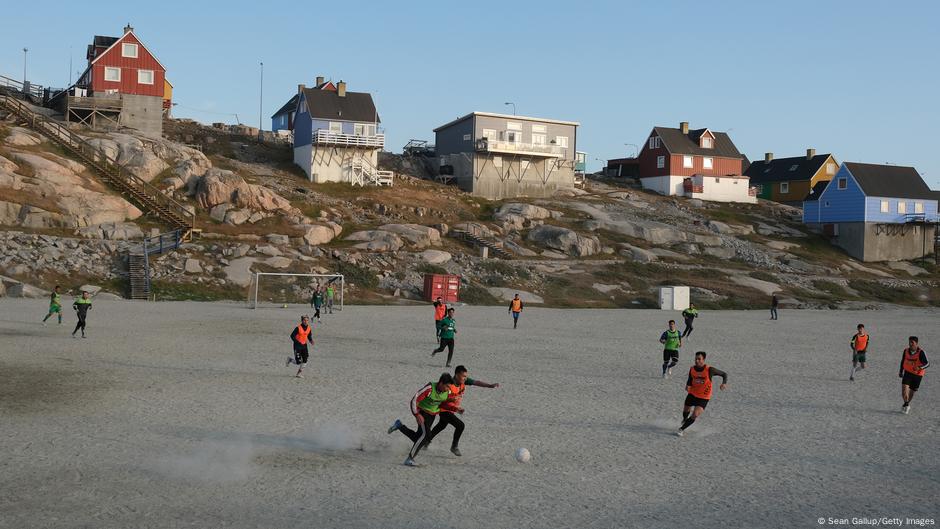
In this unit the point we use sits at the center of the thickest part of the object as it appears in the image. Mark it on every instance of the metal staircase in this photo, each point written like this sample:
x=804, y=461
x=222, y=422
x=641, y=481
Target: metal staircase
x=138, y=261
x=141, y=193
x=477, y=239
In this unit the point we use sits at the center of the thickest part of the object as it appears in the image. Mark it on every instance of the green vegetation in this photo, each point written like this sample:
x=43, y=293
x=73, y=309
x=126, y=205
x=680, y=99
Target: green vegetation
x=427, y=268
x=167, y=291
x=763, y=276
x=473, y=294
x=357, y=275
x=874, y=290
x=834, y=289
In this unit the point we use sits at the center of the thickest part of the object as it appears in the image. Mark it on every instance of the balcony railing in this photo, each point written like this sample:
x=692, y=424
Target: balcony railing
x=325, y=137
x=532, y=149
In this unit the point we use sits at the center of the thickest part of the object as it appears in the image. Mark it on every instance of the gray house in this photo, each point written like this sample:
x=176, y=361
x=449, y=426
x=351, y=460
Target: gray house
x=501, y=156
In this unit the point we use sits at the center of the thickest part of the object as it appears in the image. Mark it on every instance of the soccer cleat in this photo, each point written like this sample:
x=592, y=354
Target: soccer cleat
x=906, y=409
x=395, y=426
x=434, y=352
x=299, y=375
x=664, y=374
x=410, y=463
x=73, y=335
x=43, y=324
x=851, y=379
x=456, y=451
x=289, y=360
x=670, y=371
x=680, y=433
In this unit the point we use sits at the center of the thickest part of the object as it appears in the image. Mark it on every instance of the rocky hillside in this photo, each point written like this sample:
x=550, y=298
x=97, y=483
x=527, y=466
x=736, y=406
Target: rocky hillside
x=610, y=245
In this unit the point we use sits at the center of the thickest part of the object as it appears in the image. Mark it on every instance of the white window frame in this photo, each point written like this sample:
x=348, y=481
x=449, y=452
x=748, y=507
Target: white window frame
x=708, y=163
x=359, y=129
x=918, y=207
x=688, y=162
x=707, y=142
x=842, y=183
x=539, y=129
x=655, y=142
x=490, y=134
x=538, y=139
x=512, y=125
x=784, y=187
x=130, y=45
x=152, y=77
x=902, y=207
x=339, y=127
x=660, y=162
x=467, y=137
x=112, y=69
x=561, y=141
x=830, y=168
x=885, y=206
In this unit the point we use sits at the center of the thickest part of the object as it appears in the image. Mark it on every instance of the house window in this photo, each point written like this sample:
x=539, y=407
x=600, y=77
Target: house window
x=145, y=76
x=359, y=129
x=112, y=74
x=784, y=187
x=129, y=50
x=510, y=125
x=561, y=141
x=512, y=136
x=466, y=137
x=826, y=204
x=843, y=183
x=707, y=163
x=655, y=142
x=539, y=128
x=687, y=162
x=767, y=170
x=706, y=143
x=902, y=206
x=794, y=167
x=884, y=206
x=830, y=168
x=497, y=161
x=918, y=207
x=718, y=180
x=336, y=127
x=490, y=134
x=660, y=162
x=538, y=139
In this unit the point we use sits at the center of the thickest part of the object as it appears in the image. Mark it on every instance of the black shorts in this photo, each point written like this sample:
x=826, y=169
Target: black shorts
x=670, y=354
x=692, y=400
x=859, y=356
x=911, y=380
x=301, y=353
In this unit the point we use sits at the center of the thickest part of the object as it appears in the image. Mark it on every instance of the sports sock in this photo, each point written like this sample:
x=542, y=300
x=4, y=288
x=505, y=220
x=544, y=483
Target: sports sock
x=665, y=367
x=685, y=415
x=686, y=423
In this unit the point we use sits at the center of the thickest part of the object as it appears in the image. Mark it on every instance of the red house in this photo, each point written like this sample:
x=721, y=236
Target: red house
x=122, y=65
x=670, y=156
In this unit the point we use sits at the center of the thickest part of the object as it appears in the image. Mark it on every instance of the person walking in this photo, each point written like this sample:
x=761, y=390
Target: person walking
x=425, y=406
x=914, y=365
x=773, y=306
x=301, y=338
x=330, y=294
x=671, y=339
x=82, y=305
x=699, y=388
x=515, y=308
x=440, y=311
x=448, y=331
x=689, y=316
x=452, y=406
x=317, y=302
x=859, y=344
x=55, y=305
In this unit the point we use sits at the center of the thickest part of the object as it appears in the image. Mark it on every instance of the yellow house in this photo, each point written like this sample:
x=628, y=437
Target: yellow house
x=167, y=97
x=789, y=180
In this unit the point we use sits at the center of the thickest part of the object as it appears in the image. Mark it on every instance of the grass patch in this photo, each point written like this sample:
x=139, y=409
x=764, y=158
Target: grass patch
x=428, y=268
x=874, y=290
x=831, y=288
x=357, y=275
x=167, y=291
x=763, y=276
x=473, y=294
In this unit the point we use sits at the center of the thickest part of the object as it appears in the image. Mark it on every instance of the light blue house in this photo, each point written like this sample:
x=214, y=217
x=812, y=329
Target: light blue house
x=875, y=212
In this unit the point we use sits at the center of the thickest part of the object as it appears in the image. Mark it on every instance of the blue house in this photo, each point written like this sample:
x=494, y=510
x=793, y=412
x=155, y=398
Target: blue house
x=337, y=137
x=875, y=212
x=283, y=119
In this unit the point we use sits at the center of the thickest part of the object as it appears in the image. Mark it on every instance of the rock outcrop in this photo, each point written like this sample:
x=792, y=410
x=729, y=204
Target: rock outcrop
x=564, y=240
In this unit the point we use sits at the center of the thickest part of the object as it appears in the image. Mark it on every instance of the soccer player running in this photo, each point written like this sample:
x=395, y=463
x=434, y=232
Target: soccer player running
x=913, y=366
x=317, y=302
x=448, y=330
x=440, y=311
x=452, y=406
x=689, y=315
x=55, y=305
x=301, y=338
x=515, y=308
x=425, y=406
x=672, y=341
x=859, y=344
x=82, y=305
x=699, y=386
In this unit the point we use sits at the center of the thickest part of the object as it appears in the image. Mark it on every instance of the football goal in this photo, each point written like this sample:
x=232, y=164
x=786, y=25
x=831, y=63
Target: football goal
x=276, y=289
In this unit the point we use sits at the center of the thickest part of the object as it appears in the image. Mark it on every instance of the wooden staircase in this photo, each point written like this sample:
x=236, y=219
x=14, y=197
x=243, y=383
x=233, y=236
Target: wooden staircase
x=138, y=261
x=477, y=240
x=141, y=193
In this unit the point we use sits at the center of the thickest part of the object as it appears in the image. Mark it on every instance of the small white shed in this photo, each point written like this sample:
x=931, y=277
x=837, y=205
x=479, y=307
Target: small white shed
x=673, y=298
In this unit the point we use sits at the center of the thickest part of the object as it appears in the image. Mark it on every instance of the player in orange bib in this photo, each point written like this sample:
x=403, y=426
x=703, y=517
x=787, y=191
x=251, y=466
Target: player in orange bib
x=913, y=366
x=301, y=336
x=452, y=406
x=699, y=386
x=859, y=345
x=515, y=308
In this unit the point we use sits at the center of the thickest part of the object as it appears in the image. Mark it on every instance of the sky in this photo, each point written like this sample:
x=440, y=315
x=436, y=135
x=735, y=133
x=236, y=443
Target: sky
x=858, y=79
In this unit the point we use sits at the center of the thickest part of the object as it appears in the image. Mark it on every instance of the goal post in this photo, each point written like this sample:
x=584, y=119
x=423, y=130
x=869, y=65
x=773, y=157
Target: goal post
x=283, y=288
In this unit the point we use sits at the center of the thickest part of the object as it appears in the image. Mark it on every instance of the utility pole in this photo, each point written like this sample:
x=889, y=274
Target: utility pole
x=261, y=102
x=25, y=50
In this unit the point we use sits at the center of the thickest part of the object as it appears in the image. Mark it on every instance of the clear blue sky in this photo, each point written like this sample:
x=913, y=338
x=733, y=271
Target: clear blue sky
x=858, y=79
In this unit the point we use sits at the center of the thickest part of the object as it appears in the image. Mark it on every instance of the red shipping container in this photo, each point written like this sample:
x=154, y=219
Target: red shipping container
x=445, y=286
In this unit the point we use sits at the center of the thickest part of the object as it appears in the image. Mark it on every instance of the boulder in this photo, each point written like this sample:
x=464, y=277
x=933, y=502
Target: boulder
x=639, y=255
x=517, y=249
x=564, y=240
x=237, y=216
x=220, y=187
x=317, y=234
x=217, y=213
x=91, y=289
x=780, y=245
x=475, y=228
x=722, y=252
x=268, y=250
x=376, y=241
x=507, y=294
x=907, y=267
x=435, y=256
x=277, y=238
x=192, y=266
x=605, y=289
x=21, y=137
x=766, y=287
x=518, y=215
x=239, y=271
x=663, y=253
x=277, y=262
x=420, y=236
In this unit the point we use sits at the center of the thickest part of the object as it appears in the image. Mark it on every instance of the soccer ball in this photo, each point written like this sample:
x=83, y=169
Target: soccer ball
x=522, y=455
x=284, y=306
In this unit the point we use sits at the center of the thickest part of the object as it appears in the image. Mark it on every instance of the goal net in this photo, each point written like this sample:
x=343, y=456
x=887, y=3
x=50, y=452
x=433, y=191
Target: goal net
x=273, y=289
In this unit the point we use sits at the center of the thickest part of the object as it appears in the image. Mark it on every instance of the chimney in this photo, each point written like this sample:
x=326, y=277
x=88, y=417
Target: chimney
x=128, y=28
x=684, y=126
x=341, y=88
x=301, y=88
x=768, y=157
x=320, y=80
x=810, y=153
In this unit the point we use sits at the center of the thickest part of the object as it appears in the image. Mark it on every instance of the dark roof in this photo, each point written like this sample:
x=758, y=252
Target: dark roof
x=890, y=181
x=290, y=106
x=778, y=170
x=815, y=191
x=104, y=41
x=326, y=104
x=678, y=143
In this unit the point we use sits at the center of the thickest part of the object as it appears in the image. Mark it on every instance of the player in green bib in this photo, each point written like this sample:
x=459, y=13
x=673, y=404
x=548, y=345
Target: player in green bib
x=55, y=305
x=672, y=341
x=425, y=406
x=82, y=305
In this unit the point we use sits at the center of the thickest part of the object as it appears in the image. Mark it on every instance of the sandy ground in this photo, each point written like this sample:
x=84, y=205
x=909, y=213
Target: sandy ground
x=183, y=415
